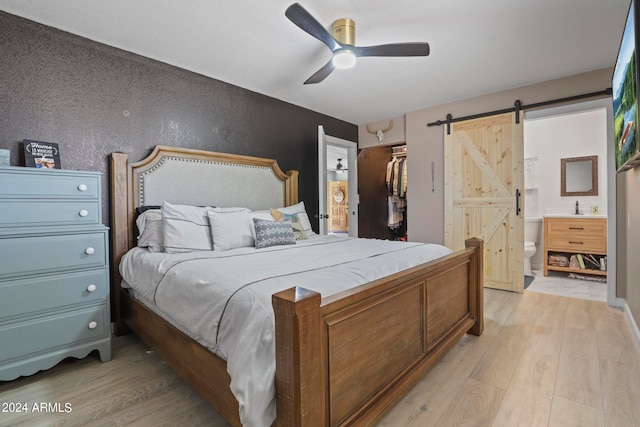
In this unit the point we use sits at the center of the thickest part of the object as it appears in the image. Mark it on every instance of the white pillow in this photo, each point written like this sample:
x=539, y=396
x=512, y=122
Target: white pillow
x=230, y=230
x=185, y=228
x=302, y=214
x=149, y=225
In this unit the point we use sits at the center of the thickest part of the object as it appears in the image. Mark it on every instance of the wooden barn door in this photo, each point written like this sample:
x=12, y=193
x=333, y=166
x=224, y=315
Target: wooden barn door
x=484, y=182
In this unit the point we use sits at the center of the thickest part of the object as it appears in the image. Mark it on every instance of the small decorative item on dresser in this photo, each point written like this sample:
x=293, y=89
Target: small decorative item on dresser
x=4, y=157
x=39, y=154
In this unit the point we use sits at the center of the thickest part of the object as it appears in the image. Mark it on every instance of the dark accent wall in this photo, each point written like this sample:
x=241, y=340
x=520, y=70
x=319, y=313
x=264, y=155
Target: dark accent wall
x=94, y=99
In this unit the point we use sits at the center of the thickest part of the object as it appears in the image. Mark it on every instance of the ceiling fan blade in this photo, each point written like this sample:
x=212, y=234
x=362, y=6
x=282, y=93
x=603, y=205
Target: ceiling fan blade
x=321, y=74
x=303, y=19
x=394, y=49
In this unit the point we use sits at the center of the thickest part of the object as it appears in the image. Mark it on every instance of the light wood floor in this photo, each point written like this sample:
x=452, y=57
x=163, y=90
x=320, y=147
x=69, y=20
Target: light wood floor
x=543, y=360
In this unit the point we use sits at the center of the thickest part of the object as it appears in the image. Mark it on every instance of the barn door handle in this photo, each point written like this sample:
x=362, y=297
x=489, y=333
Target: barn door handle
x=518, y=202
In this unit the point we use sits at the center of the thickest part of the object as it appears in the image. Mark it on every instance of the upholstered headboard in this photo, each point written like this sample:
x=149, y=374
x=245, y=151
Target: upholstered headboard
x=211, y=182
x=193, y=177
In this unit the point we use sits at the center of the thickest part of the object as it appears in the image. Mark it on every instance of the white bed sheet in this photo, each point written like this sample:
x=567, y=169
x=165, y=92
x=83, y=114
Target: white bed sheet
x=223, y=298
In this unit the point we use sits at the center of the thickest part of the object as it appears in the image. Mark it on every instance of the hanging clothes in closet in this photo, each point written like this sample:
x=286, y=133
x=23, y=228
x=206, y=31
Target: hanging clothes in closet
x=397, y=190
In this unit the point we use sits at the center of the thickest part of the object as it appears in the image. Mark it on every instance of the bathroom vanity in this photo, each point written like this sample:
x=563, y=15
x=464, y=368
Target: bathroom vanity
x=572, y=235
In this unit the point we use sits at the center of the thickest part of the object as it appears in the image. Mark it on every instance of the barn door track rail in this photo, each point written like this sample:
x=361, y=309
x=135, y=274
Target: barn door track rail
x=517, y=107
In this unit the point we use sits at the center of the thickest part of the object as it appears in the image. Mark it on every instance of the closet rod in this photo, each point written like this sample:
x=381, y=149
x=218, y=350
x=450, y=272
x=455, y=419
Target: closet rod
x=517, y=107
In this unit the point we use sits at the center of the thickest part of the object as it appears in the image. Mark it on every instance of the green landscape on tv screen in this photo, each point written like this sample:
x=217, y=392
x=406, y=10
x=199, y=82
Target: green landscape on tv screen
x=625, y=95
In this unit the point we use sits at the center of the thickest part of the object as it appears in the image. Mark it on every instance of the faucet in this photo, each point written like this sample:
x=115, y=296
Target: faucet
x=577, y=208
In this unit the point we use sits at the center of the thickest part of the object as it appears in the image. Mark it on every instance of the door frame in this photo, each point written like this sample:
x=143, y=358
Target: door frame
x=612, y=298
x=325, y=140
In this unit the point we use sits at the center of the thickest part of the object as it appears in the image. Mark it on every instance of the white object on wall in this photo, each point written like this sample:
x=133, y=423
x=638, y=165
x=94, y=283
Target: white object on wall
x=555, y=136
x=530, y=173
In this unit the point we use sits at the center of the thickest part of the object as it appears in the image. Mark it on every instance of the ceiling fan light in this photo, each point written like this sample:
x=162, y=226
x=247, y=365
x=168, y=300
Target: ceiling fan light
x=344, y=59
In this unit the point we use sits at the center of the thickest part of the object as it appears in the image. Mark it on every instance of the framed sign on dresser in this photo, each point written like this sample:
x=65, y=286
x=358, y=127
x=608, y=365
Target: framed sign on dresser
x=54, y=277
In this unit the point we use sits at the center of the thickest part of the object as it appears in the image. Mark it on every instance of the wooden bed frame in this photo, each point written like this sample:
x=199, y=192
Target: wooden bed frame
x=342, y=360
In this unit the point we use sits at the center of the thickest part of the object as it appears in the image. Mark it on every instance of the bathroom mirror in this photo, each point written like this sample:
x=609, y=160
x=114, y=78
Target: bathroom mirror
x=579, y=176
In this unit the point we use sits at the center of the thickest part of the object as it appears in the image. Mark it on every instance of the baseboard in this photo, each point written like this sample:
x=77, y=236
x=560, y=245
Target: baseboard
x=634, y=325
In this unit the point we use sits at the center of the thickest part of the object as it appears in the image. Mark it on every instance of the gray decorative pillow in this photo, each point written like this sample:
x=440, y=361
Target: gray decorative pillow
x=273, y=233
x=264, y=214
x=149, y=224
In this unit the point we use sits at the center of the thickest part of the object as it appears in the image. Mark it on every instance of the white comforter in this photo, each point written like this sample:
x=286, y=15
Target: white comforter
x=222, y=299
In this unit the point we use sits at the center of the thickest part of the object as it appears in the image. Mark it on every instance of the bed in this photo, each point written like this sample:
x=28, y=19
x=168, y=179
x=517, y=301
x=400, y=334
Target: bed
x=342, y=357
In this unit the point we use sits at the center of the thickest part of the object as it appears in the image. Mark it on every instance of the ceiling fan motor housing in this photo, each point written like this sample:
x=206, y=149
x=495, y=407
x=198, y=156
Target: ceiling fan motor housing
x=344, y=31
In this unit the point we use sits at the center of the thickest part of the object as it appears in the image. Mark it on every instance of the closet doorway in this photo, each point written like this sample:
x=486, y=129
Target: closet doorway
x=373, y=167
x=337, y=185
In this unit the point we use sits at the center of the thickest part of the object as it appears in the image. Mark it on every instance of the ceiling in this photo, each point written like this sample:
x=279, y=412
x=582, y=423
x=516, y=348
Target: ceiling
x=477, y=46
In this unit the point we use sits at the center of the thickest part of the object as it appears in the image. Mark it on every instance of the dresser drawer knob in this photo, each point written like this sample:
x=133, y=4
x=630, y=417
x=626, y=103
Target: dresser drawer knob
x=82, y=187
x=91, y=287
x=83, y=212
x=89, y=251
x=93, y=324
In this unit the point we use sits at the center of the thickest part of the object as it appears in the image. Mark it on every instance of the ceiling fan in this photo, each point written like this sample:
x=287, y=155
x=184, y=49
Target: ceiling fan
x=342, y=42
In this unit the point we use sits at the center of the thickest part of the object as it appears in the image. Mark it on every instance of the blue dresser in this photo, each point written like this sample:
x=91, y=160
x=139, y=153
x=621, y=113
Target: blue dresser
x=54, y=277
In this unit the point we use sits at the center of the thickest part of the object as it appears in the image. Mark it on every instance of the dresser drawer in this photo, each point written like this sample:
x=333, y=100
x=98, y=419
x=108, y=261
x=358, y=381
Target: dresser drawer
x=18, y=213
x=566, y=226
x=30, y=183
x=24, y=338
x=52, y=254
x=578, y=243
x=20, y=297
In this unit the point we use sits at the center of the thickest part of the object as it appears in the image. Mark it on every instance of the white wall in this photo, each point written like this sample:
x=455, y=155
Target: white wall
x=549, y=139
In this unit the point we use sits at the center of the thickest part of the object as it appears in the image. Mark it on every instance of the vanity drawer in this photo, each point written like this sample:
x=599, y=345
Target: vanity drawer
x=36, y=184
x=19, y=297
x=52, y=254
x=17, y=213
x=59, y=330
x=578, y=244
x=566, y=226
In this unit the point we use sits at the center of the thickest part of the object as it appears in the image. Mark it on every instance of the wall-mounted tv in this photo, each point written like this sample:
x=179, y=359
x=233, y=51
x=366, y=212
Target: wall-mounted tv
x=625, y=96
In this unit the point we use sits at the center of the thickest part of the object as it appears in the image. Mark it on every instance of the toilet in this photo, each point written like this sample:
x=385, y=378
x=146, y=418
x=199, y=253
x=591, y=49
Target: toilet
x=531, y=236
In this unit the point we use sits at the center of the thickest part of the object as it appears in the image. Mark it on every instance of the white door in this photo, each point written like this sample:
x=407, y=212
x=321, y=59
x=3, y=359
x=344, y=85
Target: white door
x=352, y=161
